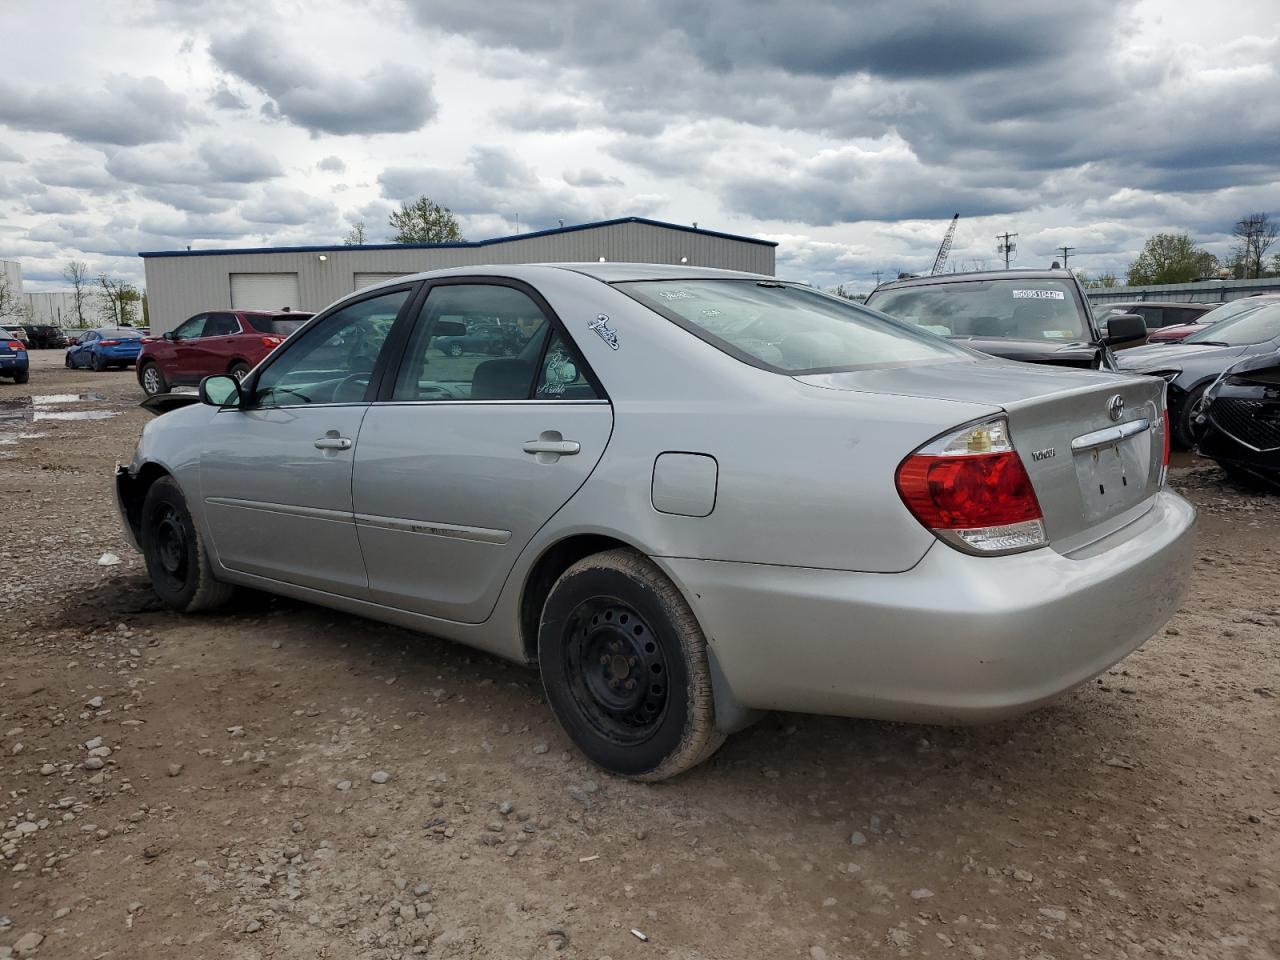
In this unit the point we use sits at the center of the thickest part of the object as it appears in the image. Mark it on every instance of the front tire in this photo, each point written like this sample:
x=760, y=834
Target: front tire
x=455, y=350
x=177, y=562
x=624, y=665
x=1184, y=428
x=153, y=379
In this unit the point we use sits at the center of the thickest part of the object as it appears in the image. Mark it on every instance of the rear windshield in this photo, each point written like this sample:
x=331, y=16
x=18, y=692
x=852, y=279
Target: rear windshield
x=129, y=334
x=787, y=329
x=1255, y=326
x=1004, y=309
x=280, y=326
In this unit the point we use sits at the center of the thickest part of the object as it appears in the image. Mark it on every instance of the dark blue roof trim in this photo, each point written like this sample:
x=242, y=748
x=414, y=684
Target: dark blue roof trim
x=335, y=248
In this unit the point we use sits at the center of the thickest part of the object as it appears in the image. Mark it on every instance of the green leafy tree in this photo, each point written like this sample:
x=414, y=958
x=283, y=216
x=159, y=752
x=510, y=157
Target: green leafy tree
x=424, y=221
x=1171, y=258
x=118, y=301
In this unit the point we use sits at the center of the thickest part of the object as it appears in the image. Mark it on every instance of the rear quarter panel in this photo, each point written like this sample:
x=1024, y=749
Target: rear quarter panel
x=805, y=475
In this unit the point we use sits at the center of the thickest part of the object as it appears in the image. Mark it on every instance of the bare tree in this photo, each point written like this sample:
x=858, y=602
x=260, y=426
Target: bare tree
x=76, y=273
x=10, y=299
x=355, y=238
x=1256, y=233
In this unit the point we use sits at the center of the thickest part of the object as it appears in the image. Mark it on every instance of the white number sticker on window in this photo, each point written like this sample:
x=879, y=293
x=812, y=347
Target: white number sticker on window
x=1039, y=295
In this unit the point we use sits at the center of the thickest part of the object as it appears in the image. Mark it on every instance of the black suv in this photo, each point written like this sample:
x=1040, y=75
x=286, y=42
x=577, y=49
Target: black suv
x=1038, y=316
x=42, y=336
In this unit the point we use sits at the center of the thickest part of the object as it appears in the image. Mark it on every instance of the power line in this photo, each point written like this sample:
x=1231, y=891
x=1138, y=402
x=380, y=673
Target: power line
x=1065, y=252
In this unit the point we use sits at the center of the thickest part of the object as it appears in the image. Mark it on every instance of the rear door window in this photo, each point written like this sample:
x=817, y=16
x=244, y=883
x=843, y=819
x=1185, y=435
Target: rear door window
x=221, y=325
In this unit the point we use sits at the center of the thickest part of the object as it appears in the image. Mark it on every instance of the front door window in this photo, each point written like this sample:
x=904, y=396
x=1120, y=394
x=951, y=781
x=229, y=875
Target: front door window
x=333, y=361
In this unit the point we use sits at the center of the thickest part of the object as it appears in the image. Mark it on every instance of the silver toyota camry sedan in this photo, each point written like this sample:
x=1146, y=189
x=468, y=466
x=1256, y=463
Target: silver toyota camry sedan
x=686, y=495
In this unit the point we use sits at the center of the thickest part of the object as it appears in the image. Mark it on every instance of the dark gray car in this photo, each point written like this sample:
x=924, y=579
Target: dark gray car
x=1191, y=365
x=1035, y=316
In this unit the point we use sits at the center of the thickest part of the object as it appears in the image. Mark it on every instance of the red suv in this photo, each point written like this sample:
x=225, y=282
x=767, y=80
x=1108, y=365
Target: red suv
x=231, y=341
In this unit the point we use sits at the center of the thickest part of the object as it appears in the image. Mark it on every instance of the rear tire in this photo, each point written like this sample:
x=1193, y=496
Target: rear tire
x=98, y=364
x=455, y=350
x=624, y=665
x=177, y=562
x=239, y=370
x=22, y=377
x=152, y=379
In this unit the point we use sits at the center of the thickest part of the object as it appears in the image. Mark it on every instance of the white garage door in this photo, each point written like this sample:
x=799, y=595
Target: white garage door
x=264, y=291
x=369, y=279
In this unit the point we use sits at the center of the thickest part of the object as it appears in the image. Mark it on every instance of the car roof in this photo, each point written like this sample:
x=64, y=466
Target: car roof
x=977, y=275
x=606, y=272
x=1160, y=303
x=274, y=313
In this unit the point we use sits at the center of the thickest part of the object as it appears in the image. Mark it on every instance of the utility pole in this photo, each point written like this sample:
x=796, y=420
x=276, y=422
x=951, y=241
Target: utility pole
x=877, y=274
x=1065, y=251
x=1006, y=247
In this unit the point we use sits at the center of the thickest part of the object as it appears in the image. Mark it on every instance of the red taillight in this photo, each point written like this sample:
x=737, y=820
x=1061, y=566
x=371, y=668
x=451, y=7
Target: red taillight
x=272, y=342
x=972, y=490
x=16, y=345
x=108, y=343
x=962, y=492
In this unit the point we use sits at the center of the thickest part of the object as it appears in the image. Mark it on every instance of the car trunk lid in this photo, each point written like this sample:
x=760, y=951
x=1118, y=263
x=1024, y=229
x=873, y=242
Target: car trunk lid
x=1092, y=443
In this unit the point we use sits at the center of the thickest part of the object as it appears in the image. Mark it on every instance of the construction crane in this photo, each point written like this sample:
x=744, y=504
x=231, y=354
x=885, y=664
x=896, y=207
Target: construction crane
x=941, y=260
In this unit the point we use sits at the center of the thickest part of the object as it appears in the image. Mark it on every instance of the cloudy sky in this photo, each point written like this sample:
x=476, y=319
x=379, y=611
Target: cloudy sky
x=847, y=131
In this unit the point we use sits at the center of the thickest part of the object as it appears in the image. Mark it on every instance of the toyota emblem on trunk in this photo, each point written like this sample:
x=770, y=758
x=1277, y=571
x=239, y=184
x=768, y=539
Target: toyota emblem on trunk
x=1115, y=407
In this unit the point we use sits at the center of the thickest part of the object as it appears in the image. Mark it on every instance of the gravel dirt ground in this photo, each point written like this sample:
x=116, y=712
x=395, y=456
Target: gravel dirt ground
x=281, y=781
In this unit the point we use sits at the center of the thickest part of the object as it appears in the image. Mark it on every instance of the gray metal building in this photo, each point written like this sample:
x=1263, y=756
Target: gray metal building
x=181, y=283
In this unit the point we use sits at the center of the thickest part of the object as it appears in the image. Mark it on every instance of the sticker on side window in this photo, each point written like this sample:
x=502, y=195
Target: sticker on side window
x=1039, y=295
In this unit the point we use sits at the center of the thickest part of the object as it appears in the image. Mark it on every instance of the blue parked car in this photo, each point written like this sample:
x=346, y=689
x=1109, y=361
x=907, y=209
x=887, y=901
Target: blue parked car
x=13, y=358
x=104, y=347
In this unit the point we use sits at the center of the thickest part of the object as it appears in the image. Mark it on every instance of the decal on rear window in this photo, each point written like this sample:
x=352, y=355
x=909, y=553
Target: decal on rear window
x=1039, y=295
x=601, y=326
x=676, y=295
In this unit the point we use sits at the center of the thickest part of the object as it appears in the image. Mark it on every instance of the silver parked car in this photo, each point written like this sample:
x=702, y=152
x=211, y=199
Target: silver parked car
x=688, y=496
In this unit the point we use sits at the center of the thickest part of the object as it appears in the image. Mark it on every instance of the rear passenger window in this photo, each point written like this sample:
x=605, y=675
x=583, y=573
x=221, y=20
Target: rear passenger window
x=473, y=341
x=563, y=375
x=220, y=325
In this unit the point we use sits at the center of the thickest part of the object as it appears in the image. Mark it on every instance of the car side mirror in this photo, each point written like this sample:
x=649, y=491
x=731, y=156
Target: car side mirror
x=170, y=335
x=221, y=391
x=1124, y=327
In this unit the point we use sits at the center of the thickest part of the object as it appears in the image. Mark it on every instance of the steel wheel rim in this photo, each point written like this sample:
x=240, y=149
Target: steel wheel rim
x=171, y=546
x=617, y=670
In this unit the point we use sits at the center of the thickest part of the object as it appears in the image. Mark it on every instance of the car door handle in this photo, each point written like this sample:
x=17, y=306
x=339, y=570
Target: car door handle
x=333, y=443
x=562, y=448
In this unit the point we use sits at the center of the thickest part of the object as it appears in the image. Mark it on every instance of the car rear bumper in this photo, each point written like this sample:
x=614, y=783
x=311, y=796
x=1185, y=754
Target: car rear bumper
x=956, y=639
x=14, y=364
